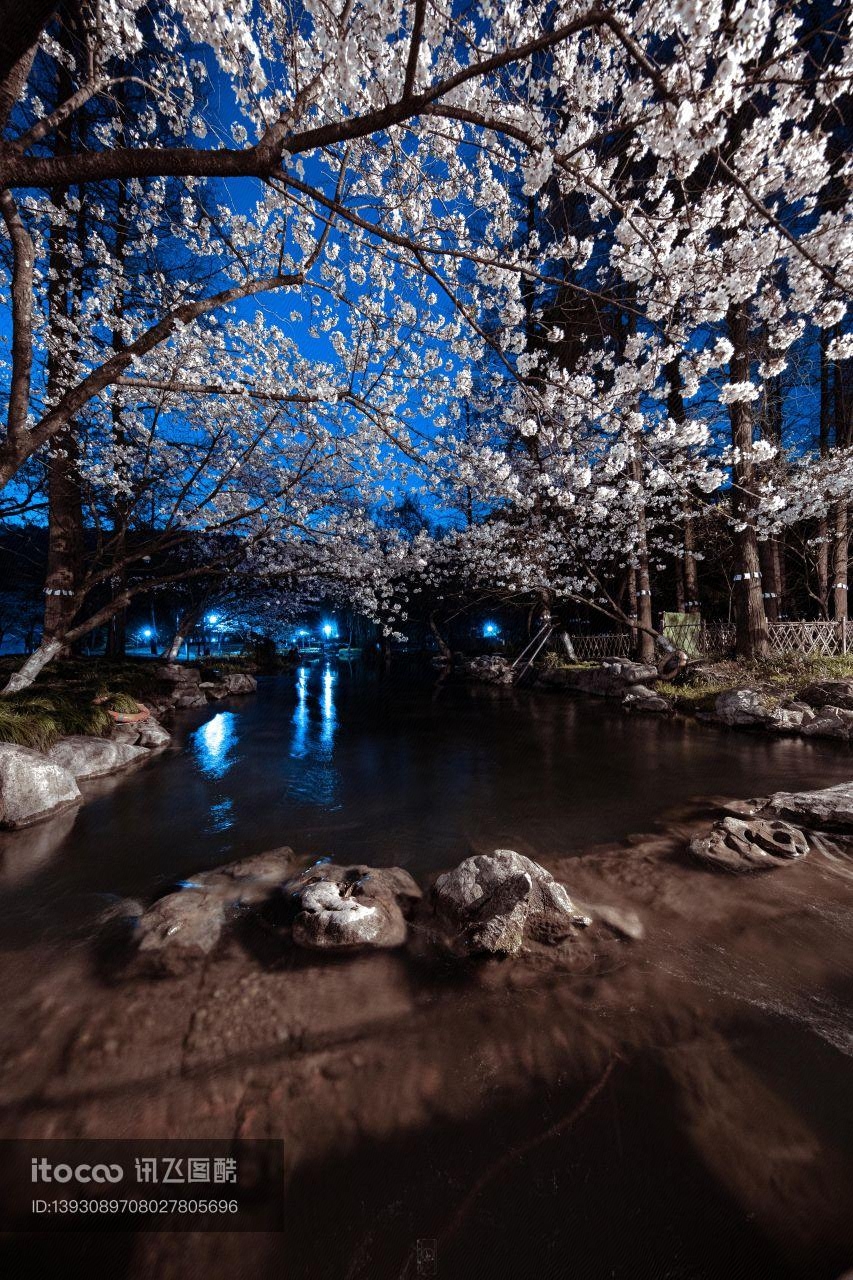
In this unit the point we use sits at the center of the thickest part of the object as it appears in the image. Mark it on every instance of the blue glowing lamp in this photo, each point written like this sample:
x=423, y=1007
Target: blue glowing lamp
x=491, y=629
x=148, y=633
x=213, y=618
x=328, y=630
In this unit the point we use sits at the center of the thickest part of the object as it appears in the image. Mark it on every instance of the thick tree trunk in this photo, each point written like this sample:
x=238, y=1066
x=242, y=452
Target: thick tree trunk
x=750, y=617
x=769, y=559
x=839, y=559
x=691, y=571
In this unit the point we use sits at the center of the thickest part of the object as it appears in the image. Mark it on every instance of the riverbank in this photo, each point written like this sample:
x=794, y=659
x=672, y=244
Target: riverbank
x=419, y=1097
x=810, y=697
x=94, y=719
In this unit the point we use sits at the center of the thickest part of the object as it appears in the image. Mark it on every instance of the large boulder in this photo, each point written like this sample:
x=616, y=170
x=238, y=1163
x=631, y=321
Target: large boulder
x=495, y=902
x=347, y=908
x=758, y=844
x=830, y=809
x=190, y=696
x=829, y=722
x=613, y=678
x=239, y=682
x=744, y=708
x=32, y=787
x=178, y=932
x=88, y=757
x=835, y=693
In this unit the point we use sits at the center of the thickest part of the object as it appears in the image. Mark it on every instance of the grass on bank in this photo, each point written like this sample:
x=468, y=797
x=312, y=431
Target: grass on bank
x=777, y=677
x=74, y=695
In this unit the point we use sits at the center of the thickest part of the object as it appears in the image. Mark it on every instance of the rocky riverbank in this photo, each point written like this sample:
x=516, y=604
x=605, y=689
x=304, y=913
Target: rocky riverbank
x=813, y=708
x=37, y=785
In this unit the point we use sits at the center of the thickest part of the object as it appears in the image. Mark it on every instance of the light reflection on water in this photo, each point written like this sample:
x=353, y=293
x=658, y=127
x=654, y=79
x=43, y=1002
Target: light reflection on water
x=315, y=722
x=214, y=744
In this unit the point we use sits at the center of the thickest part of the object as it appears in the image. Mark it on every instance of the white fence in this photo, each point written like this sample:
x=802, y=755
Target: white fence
x=715, y=639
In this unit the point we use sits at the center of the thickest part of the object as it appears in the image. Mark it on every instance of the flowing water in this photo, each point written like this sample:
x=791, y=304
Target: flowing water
x=685, y=1116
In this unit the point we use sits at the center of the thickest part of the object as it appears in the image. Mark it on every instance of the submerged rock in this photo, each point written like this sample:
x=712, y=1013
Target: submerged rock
x=177, y=932
x=249, y=881
x=830, y=808
x=32, y=787
x=495, y=902
x=757, y=844
x=345, y=908
x=88, y=757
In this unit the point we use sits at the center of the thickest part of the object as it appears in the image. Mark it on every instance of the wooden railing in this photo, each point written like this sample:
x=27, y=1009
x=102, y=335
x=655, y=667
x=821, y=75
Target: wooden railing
x=818, y=639
x=717, y=639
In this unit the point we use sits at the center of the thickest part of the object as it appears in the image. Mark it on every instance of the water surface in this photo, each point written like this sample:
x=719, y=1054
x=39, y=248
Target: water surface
x=344, y=762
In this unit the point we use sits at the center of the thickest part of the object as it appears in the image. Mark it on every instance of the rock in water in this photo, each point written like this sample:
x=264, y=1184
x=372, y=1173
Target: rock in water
x=240, y=682
x=249, y=881
x=344, y=908
x=153, y=736
x=829, y=722
x=491, y=668
x=755, y=845
x=613, y=678
x=493, y=902
x=32, y=787
x=177, y=932
x=743, y=708
x=87, y=757
x=639, y=697
x=829, y=809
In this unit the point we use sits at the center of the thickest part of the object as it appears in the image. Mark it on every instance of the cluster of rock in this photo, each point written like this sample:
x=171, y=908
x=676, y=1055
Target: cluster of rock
x=823, y=709
x=184, y=687
x=777, y=831
x=617, y=678
x=491, y=904
x=35, y=786
x=490, y=668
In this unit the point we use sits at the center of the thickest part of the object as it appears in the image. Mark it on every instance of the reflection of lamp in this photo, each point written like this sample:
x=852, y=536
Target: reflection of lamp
x=491, y=629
